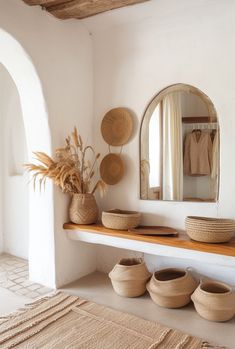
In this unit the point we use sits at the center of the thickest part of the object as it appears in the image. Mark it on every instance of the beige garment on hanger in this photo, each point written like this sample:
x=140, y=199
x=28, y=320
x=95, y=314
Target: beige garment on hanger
x=215, y=157
x=197, y=154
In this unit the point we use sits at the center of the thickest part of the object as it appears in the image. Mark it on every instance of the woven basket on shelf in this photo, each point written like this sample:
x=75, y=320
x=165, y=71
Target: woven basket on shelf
x=120, y=220
x=129, y=277
x=214, y=301
x=171, y=288
x=210, y=230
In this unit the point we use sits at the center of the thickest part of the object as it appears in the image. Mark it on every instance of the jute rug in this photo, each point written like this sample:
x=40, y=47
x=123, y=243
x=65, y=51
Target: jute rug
x=61, y=321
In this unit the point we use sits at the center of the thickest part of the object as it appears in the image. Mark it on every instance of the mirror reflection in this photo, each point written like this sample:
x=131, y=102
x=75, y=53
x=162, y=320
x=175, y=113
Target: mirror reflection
x=179, y=147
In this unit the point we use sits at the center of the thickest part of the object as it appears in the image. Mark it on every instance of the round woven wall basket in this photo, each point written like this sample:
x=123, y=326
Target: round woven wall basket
x=120, y=220
x=129, y=277
x=214, y=301
x=210, y=230
x=112, y=169
x=171, y=288
x=117, y=126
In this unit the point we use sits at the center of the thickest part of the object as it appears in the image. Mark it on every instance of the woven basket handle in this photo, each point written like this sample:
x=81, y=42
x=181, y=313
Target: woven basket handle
x=204, y=279
x=197, y=276
x=191, y=270
x=193, y=273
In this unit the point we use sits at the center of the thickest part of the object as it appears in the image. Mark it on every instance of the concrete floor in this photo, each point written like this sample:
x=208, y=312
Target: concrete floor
x=97, y=287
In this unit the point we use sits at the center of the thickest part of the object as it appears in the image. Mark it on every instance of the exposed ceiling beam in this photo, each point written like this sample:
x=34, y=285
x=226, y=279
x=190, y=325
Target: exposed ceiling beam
x=45, y=3
x=80, y=9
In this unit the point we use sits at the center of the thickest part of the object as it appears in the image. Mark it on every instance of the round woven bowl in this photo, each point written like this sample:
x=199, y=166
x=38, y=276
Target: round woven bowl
x=210, y=230
x=120, y=220
x=171, y=288
x=129, y=277
x=214, y=301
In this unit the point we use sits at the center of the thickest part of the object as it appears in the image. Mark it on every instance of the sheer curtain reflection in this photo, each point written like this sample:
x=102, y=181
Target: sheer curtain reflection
x=155, y=148
x=172, y=147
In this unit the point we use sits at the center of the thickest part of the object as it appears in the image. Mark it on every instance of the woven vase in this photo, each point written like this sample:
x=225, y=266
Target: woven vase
x=129, y=277
x=214, y=301
x=171, y=288
x=83, y=209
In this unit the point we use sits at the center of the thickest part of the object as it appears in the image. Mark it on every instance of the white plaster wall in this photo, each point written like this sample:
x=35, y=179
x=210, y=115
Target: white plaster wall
x=1, y=185
x=62, y=54
x=15, y=189
x=138, y=53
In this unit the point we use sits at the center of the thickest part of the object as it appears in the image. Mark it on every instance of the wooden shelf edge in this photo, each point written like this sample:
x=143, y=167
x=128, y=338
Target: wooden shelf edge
x=181, y=241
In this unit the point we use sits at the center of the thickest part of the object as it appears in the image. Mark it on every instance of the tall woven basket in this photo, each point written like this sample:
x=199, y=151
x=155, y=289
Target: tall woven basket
x=83, y=209
x=129, y=277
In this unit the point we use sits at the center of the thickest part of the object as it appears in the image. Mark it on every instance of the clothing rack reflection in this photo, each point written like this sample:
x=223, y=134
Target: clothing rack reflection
x=201, y=126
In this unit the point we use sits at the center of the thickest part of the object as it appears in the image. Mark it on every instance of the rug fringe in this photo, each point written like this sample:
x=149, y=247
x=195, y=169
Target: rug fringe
x=184, y=341
x=28, y=306
x=44, y=298
x=207, y=345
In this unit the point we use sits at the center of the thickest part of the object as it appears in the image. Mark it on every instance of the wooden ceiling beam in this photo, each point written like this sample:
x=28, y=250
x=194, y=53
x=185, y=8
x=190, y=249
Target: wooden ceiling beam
x=86, y=8
x=44, y=3
x=80, y=9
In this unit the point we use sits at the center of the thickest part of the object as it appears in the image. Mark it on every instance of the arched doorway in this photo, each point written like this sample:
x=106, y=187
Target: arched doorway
x=41, y=218
x=14, y=197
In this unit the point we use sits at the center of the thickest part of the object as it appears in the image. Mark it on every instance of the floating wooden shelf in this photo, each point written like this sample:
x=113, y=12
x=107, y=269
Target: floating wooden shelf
x=182, y=241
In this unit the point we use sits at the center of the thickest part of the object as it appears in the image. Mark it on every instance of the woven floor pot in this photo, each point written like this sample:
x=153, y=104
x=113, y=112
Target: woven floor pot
x=210, y=230
x=83, y=209
x=171, y=288
x=129, y=277
x=214, y=301
x=120, y=220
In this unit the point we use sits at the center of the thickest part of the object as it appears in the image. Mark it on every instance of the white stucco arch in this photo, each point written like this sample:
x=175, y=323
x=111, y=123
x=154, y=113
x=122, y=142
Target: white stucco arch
x=38, y=137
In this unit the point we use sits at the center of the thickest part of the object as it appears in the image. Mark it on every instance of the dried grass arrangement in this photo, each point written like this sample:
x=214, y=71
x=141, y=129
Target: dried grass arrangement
x=71, y=169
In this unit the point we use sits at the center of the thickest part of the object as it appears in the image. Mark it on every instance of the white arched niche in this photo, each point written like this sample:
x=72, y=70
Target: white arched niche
x=41, y=211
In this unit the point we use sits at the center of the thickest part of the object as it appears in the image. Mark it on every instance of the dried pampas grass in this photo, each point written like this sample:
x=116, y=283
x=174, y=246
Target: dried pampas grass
x=71, y=170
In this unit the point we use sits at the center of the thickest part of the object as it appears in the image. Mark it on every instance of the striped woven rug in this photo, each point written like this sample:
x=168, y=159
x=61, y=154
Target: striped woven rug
x=61, y=321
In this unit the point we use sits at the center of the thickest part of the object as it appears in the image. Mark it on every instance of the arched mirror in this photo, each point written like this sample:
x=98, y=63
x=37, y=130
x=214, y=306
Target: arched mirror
x=179, y=147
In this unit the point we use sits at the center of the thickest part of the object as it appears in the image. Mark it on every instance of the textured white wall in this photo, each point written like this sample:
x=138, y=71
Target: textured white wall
x=1, y=184
x=61, y=51
x=135, y=56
